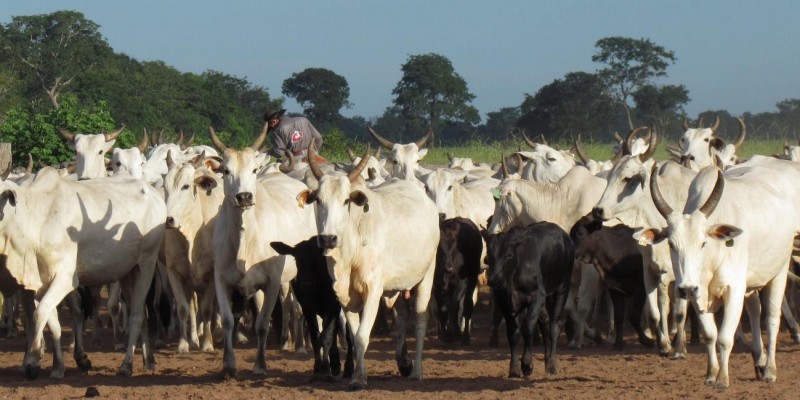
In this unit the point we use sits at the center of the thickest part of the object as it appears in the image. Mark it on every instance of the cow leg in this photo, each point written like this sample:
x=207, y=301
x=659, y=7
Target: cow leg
x=709, y=328
x=183, y=298
x=618, y=299
x=468, y=305
x=343, y=328
x=400, y=312
x=330, y=350
x=681, y=313
x=497, y=317
x=322, y=367
x=115, y=309
x=753, y=304
x=421, y=302
x=557, y=318
x=733, y=298
x=635, y=317
x=77, y=312
x=287, y=334
x=656, y=302
x=60, y=287
x=207, y=303
x=535, y=313
x=136, y=285
x=262, y=325
x=774, y=297
x=362, y=326
x=226, y=314
x=791, y=321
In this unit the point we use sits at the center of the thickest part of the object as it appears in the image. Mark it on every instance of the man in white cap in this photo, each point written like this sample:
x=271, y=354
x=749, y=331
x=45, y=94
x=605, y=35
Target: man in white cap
x=293, y=134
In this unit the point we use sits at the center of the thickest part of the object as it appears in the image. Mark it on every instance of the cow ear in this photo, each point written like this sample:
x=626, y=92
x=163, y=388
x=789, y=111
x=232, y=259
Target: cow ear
x=282, y=248
x=358, y=198
x=650, y=236
x=723, y=232
x=306, y=197
x=422, y=153
x=9, y=195
x=205, y=182
x=717, y=143
x=460, y=175
x=213, y=164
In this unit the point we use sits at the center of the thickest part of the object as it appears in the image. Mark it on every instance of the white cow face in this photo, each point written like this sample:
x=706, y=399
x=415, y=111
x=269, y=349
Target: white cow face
x=239, y=169
x=182, y=184
x=405, y=159
x=130, y=161
x=374, y=173
x=696, y=144
x=550, y=164
x=439, y=186
x=625, y=188
x=464, y=164
x=691, y=239
x=91, y=150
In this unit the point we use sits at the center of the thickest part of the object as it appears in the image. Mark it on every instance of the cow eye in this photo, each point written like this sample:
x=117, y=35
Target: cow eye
x=706, y=139
x=702, y=246
x=226, y=171
x=255, y=170
x=119, y=164
x=185, y=187
x=100, y=152
x=346, y=201
x=551, y=159
x=626, y=180
x=450, y=187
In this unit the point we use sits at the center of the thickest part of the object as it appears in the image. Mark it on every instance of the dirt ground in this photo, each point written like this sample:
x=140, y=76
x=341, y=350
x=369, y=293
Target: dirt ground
x=475, y=372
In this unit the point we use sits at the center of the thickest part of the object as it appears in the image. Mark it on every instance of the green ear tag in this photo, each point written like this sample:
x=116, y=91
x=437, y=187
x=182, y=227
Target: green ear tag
x=496, y=193
x=366, y=207
x=729, y=243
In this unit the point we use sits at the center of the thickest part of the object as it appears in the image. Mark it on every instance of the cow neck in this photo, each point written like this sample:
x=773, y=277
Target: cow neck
x=544, y=201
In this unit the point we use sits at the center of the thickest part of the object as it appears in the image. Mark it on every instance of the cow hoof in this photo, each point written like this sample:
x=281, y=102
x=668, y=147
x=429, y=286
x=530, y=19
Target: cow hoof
x=241, y=338
x=678, y=355
x=119, y=347
x=57, y=373
x=759, y=372
x=260, y=371
x=150, y=366
x=356, y=385
x=573, y=345
x=84, y=364
x=552, y=370
x=183, y=347
x=124, y=370
x=709, y=381
x=405, y=370
x=796, y=338
x=31, y=371
x=493, y=341
x=721, y=386
x=618, y=346
x=301, y=350
x=207, y=348
x=527, y=370
x=647, y=342
x=514, y=374
x=229, y=374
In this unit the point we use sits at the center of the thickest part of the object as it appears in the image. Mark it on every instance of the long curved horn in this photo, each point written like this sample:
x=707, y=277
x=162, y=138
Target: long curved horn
x=542, y=139
x=503, y=165
x=351, y=154
x=170, y=161
x=161, y=137
x=312, y=164
x=579, y=151
x=520, y=163
x=388, y=144
x=356, y=172
x=190, y=141
x=179, y=142
x=198, y=161
x=716, y=124
x=288, y=165
x=378, y=153
x=673, y=151
x=713, y=198
x=685, y=124
x=152, y=138
x=631, y=137
x=742, y=133
x=651, y=149
x=261, y=137
x=113, y=134
x=618, y=156
x=142, y=146
x=661, y=205
x=618, y=138
x=67, y=135
x=530, y=142
x=29, y=168
x=215, y=139
x=700, y=123
x=428, y=135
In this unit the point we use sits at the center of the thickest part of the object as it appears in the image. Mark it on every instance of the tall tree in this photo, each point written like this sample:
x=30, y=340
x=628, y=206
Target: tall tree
x=430, y=90
x=630, y=64
x=500, y=124
x=49, y=51
x=321, y=92
x=662, y=105
x=578, y=103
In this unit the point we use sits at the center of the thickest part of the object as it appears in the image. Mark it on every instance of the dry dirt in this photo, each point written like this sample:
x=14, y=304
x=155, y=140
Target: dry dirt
x=475, y=372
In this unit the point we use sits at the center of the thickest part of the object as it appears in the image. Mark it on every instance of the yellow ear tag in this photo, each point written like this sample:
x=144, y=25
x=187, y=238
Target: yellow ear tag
x=300, y=202
x=729, y=243
x=366, y=207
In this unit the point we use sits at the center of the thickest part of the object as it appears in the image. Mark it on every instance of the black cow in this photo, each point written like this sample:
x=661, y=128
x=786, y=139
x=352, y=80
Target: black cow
x=458, y=263
x=313, y=288
x=614, y=253
x=529, y=272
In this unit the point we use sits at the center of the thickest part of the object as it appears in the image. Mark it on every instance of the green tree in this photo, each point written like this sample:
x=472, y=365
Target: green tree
x=321, y=92
x=49, y=51
x=630, y=64
x=576, y=104
x=430, y=91
x=500, y=124
x=662, y=105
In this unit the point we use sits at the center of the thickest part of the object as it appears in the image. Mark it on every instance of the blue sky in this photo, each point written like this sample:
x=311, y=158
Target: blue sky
x=733, y=55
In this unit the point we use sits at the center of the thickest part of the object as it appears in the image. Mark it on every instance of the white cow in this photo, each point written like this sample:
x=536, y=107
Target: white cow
x=91, y=150
x=546, y=163
x=472, y=200
x=379, y=242
x=193, y=200
x=700, y=145
x=130, y=160
x=726, y=246
x=59, y=234
x=405, y=158
x=254, y=213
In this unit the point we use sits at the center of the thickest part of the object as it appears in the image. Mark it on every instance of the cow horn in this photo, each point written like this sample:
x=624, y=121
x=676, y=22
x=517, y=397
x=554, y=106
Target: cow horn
x=542, y=139
x=198, y=161
x=161, y=137
x=29, y=168
x=631, y=137
x=661, y=205
x=67, y=135
x=503, y=165
x=742, y=133
x=424, y=139
x=685, y=124
x=378, y=153
x=389, y=145
x=713, y=198
x=351, y=154
x=312, y=164
x=261, y=137
x=520, y=163
x=113, y=134
x=142, y=146
x=215, y=139
x=530, y=142
x=673, y=151
x=190, y=141
x=700, y=123
x=651, y=149
x=170, y=161
x=450, y=156
x=618, y=138
x=356, y=172
x=618, y=156
x=579, y=151
x=152, y=138
x=716, y=124
x=288, y=165
x=179, y=142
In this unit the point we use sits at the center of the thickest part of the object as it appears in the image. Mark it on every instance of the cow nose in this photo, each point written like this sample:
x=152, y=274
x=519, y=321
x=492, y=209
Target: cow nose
x=170, y=222
x=327, y=241
x=442, y=217
x=688, y=292
x=597, y=213
x=244, y=199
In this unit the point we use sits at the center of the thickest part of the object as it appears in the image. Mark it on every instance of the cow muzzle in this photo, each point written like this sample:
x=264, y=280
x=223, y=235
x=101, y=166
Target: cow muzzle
x=244, y=199
x=597, y=213
x=688, y=292
x=170, y=223
x=327, y=241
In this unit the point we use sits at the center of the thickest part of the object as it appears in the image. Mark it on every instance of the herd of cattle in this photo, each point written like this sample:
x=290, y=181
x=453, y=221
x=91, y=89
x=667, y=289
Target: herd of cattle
x=205, y=231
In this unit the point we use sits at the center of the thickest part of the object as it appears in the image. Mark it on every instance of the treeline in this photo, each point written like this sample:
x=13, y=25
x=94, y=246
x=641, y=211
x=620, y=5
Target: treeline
x=57, y=71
